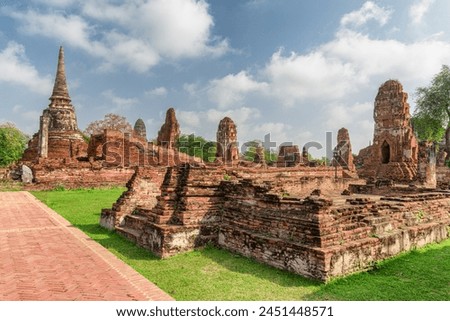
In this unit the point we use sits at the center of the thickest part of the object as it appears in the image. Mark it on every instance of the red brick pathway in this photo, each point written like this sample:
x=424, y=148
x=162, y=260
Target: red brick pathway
x=42, y=257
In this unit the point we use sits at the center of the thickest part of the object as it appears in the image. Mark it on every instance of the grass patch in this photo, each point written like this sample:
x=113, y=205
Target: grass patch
x=418, y=275
x=10, y=186
x=215, y=274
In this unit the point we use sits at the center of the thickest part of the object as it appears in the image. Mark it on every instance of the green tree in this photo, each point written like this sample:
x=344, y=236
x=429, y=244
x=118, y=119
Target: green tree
x=431, y=119
x=12, y=144
x=270, y=156
x=250, y=152
x=197, y=146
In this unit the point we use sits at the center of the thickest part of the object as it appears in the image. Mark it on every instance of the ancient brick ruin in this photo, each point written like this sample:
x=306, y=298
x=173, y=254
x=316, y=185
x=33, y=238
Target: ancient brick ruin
x=227, y=149
x=140, y=129
x=59, y=155
x=319, y=221
x=295, y=214
x=170, y=130
x=343, y=150
x=393, y=154
x=270, y=215
x=58, y=136
x=289, y=156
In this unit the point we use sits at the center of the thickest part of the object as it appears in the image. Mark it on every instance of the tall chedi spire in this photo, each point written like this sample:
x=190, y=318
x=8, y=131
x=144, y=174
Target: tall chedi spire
x=61, y=113
x=58, y=137
x=60, y=95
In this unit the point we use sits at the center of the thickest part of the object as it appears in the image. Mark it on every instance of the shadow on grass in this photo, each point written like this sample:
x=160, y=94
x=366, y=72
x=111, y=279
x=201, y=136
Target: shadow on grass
x=228, y=260
x=116, y=243
x=243, y=265
x=419, y=275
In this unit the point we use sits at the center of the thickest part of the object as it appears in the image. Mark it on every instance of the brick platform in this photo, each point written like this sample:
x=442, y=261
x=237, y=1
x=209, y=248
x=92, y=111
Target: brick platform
x=42, y=257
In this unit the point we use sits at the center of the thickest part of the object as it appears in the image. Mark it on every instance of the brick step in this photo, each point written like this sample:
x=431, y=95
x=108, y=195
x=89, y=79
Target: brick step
x=371, y=220
x=166, y=197
x=134, y=221
x=351, y=226
x=382, y=228
x=155, y=217
x=129, y=233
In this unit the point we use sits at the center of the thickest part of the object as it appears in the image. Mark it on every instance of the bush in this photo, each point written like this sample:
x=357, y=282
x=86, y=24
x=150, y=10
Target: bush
x=12, y=144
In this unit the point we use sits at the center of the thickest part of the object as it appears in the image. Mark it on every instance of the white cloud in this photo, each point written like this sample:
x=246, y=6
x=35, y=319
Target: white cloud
x=158, y=91
x=279, y=132
x=191, y=89
x=256, y=2
x=419, y=9
x=369, y=11
x=294, y=78
x=26, y=113
x=348, y=64
x=239, y=115
x=343, y=115
x=189, y=118
x=120, y=103
x=56, y=3
x=175, y=29
x=16, y=69
x=137, y=34
x=72, y=29
x=387, y=58
x=135, y=53
x=231, y=89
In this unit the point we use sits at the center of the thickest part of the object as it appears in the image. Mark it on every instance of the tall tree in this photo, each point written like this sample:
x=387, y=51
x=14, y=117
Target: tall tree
x=432, y=116
x=250, y=152
x=111, y=121
x=197, y=146
x=12, y=144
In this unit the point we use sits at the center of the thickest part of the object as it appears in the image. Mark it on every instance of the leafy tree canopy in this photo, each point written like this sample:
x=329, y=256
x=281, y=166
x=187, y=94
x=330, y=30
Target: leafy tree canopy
x=111, y=121
x=12, y=144
x=250, y=152
x=197, y=146
x=432, y=116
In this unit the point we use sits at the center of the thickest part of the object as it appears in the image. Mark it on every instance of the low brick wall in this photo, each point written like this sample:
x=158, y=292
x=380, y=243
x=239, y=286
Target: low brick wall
x=174, y=210
x=80, y=177
x=319, y=239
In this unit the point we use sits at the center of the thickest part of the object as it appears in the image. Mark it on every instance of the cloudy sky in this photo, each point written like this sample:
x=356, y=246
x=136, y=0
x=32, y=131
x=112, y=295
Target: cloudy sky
x=294, y=69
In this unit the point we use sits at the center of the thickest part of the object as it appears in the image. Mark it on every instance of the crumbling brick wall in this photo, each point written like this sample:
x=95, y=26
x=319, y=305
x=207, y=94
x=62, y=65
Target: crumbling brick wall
x=319, y=239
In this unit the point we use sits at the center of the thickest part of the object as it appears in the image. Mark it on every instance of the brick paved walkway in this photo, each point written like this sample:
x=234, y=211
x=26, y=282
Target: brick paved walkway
x=42, y=257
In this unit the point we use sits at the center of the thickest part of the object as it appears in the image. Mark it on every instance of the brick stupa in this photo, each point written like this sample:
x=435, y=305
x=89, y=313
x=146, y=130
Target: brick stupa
x=58, y=136
x=227, y=150
x=393, y=154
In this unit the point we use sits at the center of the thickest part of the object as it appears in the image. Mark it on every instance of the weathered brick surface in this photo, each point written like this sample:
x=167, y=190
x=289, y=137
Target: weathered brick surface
x=58, y=135
x=289, y=156
x=227, y=149
x=322, y=238
x=43, y=257
x=343, y=150
x=270, y=216
x=168, y=210
x=170, y=130
x=48, y=175
x=394, y=152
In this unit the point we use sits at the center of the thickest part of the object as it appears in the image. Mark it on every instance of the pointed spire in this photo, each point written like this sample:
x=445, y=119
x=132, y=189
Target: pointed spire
x=60, y=90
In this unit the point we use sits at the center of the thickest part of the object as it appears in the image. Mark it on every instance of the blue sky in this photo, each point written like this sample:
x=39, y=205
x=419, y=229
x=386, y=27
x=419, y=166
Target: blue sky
x=294, y=69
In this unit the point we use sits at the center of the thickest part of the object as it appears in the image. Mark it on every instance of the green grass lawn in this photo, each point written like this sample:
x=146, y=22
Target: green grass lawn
x=215, y=274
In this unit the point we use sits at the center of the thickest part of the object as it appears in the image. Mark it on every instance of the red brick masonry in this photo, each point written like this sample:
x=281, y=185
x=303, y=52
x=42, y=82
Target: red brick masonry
x=43, y=257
